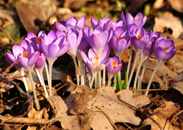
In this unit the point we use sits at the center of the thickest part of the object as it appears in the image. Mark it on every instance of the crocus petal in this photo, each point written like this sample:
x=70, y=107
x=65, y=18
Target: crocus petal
x=170, y=54
x=91, y=53
x=72, y=39
x=109, y=67
x=147, y=49
x=81, y=23
x=160, y=53
x=11, y=59
x=138, y=19
x=96, y=43
x=23, y=62
x=162, y=43
x=129, y=19
x=63, y=49
x=33, y=59
x=25, y=43
x=136, y=43
x=41, y=33
x=90, y=66
x=60, y=33
x=144, y=21
x=117, y=69
x=80, y=36
x=41, y=61
x=53, y=50
x=123, y=19
x=117, y=33
x=100, y=67
x=17, y=50
x=60, y=27
x=44, y=47
x=84, y=57
x=104, y=37
x=32, y=37
x=71, y=23
x=104, y=55
x=169, y=43
x=52, y=35
x=144, y=40
x=93, y=22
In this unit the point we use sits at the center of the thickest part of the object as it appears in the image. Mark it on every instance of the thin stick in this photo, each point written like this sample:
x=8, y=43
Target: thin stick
x=50, y=77
x=76, y=68
x=133, y=68
x=34, y=92
x=96, y=81
x=103, y=81
x=93, y=77
x=115, y=81
x=142, y=75
x=152, y=76
x=40, y=76
x=129, y=63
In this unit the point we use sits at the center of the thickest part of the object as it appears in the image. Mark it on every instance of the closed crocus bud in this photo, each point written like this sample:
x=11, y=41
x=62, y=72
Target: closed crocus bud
x=164, y=50
x=71, y=22
x=97, y=39
x=138, y=20
x=113, y=67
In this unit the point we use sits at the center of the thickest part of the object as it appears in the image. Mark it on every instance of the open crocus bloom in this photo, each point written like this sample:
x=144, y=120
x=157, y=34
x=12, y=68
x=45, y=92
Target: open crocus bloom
x=120, y=41
x=114, y=66
x=97, y=40
x=139, y=20
x=95, y=62
x=72, y=22
x=53, y=46
x=26, y=56
x=164, y=50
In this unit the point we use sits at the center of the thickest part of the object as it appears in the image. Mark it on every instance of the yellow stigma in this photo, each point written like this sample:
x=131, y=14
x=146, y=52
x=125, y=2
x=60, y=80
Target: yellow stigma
x=120, y=38
x=38, y=40
x=113, y=64
x=95, y=65
x=25, y=54
x=139, y=37
x=165, y=48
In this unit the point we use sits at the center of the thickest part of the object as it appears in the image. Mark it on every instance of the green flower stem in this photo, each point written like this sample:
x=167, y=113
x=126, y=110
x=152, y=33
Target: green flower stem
x=103, y=81
x=142, y=75
x=129, y=63
x=24, y=79
x=40, y=76
x=34, y=91
x=76, y=68
x=152, y=76
x=133, y=68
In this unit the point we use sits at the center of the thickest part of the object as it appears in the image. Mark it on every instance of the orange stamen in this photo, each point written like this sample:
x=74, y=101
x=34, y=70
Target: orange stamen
x=139, y=37
x=18, y=60
x=38, y=40
x=39, y=53
x=25, y=54
x=66, y=37
x=120, y=38
x=113, y=64
x=165, y=48
x=95, y=65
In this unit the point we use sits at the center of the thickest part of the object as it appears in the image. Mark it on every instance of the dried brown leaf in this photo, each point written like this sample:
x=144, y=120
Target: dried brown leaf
x=177, y=5
x=167, y=20
x=162, y=116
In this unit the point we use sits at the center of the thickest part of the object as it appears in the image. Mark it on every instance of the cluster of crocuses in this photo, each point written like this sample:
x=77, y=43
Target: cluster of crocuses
x=90, y=49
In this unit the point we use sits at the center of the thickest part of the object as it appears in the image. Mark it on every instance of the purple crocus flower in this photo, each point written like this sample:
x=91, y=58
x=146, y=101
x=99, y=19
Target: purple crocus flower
x=113, y=67
x=105, y=24
x=139, y=20
x=94, y=62
x=120, y=41
x=26, y=56
x=53, y=46
x=41, y=61
x=97, y=39
x=71, y=22
x=164, y=50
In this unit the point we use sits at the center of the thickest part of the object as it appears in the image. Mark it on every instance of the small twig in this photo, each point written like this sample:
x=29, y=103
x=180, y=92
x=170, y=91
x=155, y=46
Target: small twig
x=113, y=124
x=21, y=120
x=134, y=108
